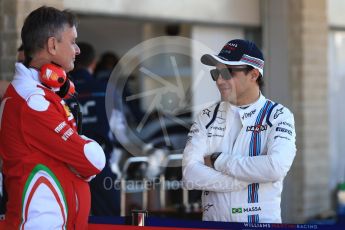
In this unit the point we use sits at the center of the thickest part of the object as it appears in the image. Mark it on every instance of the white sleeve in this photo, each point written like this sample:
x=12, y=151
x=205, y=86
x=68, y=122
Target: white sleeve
x=270, y=167
x=196, y=175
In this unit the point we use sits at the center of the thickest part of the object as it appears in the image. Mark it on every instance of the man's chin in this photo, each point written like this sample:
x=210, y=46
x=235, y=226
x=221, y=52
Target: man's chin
x=229, y=98
x=70, y=68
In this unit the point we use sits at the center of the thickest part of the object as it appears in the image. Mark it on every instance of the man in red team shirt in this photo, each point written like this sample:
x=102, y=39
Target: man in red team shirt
x=46, y=163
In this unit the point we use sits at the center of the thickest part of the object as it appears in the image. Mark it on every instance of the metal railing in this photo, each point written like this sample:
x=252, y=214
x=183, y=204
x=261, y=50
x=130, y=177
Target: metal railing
x=141, y=185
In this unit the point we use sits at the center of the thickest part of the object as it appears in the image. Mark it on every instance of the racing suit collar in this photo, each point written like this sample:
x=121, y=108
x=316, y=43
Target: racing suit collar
x=250, y=113
x=22, y=71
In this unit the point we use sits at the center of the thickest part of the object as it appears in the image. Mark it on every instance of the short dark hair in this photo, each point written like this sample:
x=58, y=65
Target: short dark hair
x=41, y=24
x=86, y=57
x=259, y=80
x=107, y=61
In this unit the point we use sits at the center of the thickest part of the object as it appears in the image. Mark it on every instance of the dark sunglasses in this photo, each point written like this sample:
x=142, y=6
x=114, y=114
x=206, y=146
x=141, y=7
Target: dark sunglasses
x=227, y=73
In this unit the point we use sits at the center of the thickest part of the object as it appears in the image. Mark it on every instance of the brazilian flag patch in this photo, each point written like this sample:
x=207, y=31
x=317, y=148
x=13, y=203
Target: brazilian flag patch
x=236, y=210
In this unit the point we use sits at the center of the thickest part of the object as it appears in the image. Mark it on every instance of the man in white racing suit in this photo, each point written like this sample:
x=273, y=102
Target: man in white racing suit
x=240, y=149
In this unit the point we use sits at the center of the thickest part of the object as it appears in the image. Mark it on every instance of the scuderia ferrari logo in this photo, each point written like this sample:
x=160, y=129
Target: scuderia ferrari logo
x=244, y=210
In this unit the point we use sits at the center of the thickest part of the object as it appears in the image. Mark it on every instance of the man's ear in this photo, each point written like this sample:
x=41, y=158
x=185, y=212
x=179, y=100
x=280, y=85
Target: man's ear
x=51, y=45
x=255, y=74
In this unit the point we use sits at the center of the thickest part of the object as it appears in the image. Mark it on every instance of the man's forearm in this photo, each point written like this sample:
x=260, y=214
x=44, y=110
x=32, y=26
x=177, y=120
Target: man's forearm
x=201, y=177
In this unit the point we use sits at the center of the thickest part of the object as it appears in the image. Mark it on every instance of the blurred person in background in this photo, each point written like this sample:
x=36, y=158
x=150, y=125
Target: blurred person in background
x=105, y=65
x=104, y=68
x=91, y=96
x=240, y=149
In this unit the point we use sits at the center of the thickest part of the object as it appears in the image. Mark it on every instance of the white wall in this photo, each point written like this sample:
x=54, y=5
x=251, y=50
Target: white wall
x=216, y=11
x=336, y=106
x=336, y=16
x=109, y=34
x=336, y=82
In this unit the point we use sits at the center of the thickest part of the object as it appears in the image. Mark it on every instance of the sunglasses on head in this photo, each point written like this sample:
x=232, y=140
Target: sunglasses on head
x=227, y=73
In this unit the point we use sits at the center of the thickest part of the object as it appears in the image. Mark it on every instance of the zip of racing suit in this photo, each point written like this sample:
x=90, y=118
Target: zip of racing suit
x=258, y=147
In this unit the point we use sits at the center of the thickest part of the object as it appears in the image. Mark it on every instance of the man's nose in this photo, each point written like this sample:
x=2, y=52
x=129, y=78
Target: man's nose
x=77, y=50
x=220, y=79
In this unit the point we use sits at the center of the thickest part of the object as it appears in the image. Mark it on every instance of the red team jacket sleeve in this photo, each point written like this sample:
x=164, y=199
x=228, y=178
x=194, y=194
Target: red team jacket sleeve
x=47, y=129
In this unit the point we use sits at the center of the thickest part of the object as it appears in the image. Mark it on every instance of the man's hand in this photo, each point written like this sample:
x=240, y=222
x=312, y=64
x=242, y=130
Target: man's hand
x=210, y=159
x=207, y=161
